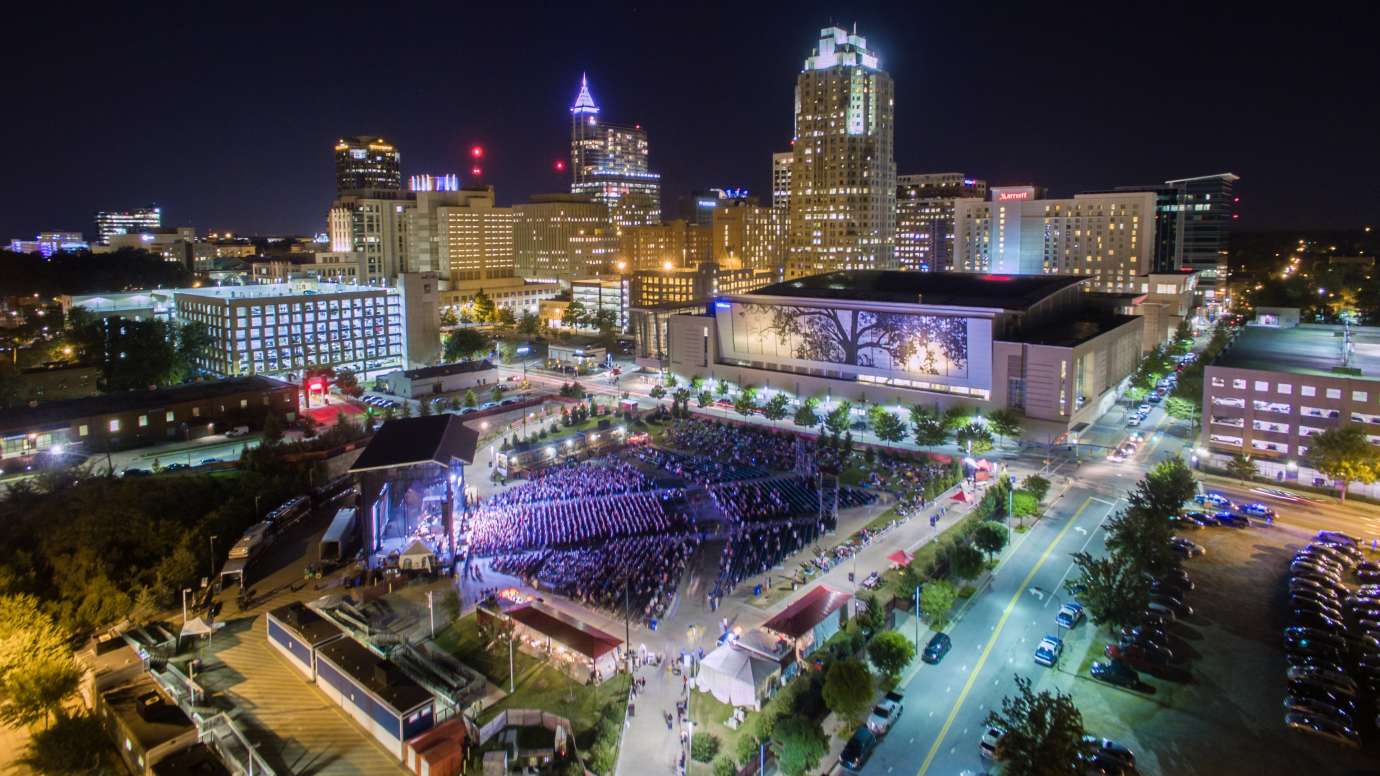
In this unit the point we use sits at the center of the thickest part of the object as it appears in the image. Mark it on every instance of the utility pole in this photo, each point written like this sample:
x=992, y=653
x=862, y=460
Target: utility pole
x=511, y=634
x=917, y=615
x=213, y=556
x=627, y=628
x=431, y=613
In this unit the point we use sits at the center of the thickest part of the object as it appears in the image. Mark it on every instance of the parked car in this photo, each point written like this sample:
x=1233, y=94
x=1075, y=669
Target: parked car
x=1114, y=672
x=989, y=743
x=885, y=714
x=1048, y=651
x=135, y=472
x=1313, y=619
x=1111, y=750
x=1070, y=614
x=1187, y=548
x=1304, y=604
x=1301, y=635
x=237, y=431
x=1257, y=509
x=937, y=648
x=1139, y=654
x=1163, y=610
x=1215, y=499
x=1338, y=537
x=858, y=749
x=1323, y=675
x=1310, y=706
x=1307, y=688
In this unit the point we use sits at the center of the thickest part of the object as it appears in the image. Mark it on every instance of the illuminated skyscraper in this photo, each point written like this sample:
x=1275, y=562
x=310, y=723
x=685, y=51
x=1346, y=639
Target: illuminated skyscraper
x=366, y=163
x=114, y=222
x=925, y=218
x=609, y=163
x=781, y=179
x=843, y=173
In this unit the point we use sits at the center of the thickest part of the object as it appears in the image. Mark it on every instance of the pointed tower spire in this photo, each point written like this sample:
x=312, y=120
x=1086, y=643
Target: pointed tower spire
x=583, y=102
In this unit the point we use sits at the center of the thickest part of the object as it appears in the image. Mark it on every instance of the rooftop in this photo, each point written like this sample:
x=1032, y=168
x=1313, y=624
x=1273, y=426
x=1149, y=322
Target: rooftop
x=1309, y=348
x=956, y=289
x=808, y=611
x=433, y=439
x=585, y=639
x=149, y=717
x=60, y=413
x=1069, y=333
x=377, y=675
x=307, y=625
x=195, y=760
x=294, y=288
x=446, y=370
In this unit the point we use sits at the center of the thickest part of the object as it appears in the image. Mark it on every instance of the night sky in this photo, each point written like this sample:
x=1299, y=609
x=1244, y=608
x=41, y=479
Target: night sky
x=226, y=119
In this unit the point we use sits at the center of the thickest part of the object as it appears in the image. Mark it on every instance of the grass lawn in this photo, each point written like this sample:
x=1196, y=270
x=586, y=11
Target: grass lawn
x=882, y=519
x=709, y=716
x=538, y=684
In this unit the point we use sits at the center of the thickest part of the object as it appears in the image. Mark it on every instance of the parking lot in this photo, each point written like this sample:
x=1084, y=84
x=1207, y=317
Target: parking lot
x=1222, y=710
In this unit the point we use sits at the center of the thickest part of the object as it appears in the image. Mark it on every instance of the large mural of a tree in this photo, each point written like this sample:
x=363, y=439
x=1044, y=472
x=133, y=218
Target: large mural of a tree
x=916, y=344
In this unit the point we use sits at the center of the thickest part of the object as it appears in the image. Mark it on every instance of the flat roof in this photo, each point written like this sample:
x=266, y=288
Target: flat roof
x=410, y=441
x=61, y=413
x=1309, y=348
x=581, y=637
x=309, y=626
x=296, y=288
x=195, y=760
x=377, y=675
x=955, y=289
x=808, y=611
x=1070, y=332
x=446, y=370
x=146, y=713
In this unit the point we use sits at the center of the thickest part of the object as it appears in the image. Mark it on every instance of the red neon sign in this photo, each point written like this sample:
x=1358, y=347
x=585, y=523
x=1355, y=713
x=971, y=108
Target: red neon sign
x=1007, y=196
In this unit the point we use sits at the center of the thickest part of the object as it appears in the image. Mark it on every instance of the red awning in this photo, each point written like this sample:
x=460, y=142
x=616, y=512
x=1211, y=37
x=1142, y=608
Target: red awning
x=899, y=558
x=960, y=497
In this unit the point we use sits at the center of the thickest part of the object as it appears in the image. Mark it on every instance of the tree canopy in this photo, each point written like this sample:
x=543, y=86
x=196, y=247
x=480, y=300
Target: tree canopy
x=848, y=689
x=890, y=652
x=1344, y=454
x=798, y=744
x=465, y=344
x=1043, y=733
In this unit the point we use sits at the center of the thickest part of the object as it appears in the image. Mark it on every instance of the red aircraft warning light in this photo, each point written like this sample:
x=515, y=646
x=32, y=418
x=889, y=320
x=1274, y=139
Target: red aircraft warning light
x=560, y=165
x=477, y=151
x=476, y=171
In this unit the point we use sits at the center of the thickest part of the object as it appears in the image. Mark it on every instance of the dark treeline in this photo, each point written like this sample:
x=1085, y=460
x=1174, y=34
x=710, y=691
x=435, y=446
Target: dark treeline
x=22, y=274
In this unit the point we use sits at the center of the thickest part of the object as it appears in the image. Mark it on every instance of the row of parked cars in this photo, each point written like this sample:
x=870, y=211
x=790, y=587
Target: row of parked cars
x=866, y=738
x=1100, y=755
x=1332, y=645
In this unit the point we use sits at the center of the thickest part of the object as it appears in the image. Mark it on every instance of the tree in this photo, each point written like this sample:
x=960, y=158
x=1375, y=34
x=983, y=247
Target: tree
x=496, y=394
x=965, y=561
x=574, y=315
x=193, y=343
x=504, y=317
x=805, y=414
x=273, y=428
x=1004, y=423
x=36, y=667
x=75, y=744
x=1345, y=455
x=1241, y=467
x=746, y=401
x=937, y=599
x=839, y=418
x=1036, y=486
x=1140, y=539
x=657, y=392
x=885, y=424
x=529, y=324
x=890, y=653
x=348, y=382
x=704, y=746
x=868, y=614
x=776, y=407
x=484, y=311
x=1044, y=733
x=448, y=317
x=1180, y=408
x=927, y=427
x=721, y=389
x=471, y=400
x=957, y=417
x=990, y=537
x=848, y=690
x=703, y=398
x=465, y=344
x=1114, y=591
x=798, y=744
x=974, y=437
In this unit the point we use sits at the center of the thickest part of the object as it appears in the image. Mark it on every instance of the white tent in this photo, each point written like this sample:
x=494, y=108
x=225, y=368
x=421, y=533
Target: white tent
x=417, y=557
x=735, y=676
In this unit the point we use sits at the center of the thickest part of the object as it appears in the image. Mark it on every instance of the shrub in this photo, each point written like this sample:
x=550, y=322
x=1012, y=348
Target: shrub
x=725, y=767
x=704, y=747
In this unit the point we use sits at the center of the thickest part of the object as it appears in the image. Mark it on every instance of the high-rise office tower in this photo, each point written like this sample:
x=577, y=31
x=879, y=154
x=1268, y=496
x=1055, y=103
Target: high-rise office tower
x=1208, y=204
x=460, y=235
x=560, y=236
x=141, y=221
x=366, y=163
x=925, y=218
x=609, y=163
x=373, y=225
x=781, y=179
x=749, y=236
x=843, y=174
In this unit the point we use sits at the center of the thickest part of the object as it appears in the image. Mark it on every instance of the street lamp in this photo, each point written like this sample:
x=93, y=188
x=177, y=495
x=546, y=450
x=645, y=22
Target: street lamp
x=185, y=591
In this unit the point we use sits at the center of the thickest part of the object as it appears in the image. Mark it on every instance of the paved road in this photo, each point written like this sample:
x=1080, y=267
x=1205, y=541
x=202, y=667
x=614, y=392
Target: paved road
x=993, y=639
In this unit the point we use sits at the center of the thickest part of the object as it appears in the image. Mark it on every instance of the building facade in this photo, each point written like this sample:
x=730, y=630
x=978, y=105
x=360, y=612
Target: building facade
x=749, y=236
x=560, y=236
x=1208, y=207
x=697, y=285
x=112, y=222
x=373, y=225
x=365, y=162
x=925, y=218
x=460, y=234
x=670, y=245
x=1108, y=237
x=781, y=179
x=843, y=174
x=1032, y=344
x=282, y=328
x=609, y=163
x=513, y=294
x=48, y=243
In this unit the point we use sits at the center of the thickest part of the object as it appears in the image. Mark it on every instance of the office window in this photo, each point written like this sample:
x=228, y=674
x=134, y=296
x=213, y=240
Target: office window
x=143, y=421
x=1358, y=395
x=196, y=412
x=170, y=416
x=1261, y=385
x=1284, y=388
x=115, y=424
x=1334, y=393
x=1308, y=390
x=82, y=430
x=244, y=403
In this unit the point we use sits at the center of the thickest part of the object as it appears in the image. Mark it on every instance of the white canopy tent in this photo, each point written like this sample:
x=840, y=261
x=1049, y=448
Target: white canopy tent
x=735, y=676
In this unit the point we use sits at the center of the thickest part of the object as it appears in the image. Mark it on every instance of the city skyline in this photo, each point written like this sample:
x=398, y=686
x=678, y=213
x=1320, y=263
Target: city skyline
x=252, y=151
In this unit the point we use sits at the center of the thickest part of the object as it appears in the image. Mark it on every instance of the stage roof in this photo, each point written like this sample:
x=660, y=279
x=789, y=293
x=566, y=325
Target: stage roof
x=411, y=441
x=581, y=637
x=957, y=289
x=810, y=610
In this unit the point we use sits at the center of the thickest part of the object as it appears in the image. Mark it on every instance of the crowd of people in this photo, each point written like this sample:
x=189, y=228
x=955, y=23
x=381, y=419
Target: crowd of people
x=754, y=550
x=736, y=445
x=641, y=570
x=699, y=469
x=605, y=477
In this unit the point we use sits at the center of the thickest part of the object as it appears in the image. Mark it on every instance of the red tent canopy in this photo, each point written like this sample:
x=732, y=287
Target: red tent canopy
x=960, y=497
x=899, y=558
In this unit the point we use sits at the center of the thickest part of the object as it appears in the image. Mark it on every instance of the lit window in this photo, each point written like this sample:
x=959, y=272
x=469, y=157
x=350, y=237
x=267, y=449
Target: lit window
x=1308, y=390
x=1358, y=395
x=83, y=430
x=143, y=420
x=115, y=424
x=1334, y=393
x=1284, y=388
x=1261, y=385
x=1238, y=383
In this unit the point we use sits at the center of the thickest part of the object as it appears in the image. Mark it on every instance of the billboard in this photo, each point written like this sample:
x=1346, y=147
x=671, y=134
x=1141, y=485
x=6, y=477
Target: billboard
x=890, y=342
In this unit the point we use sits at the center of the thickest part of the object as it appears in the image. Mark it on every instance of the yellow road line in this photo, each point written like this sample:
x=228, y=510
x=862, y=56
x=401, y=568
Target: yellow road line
x=1010, y=607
